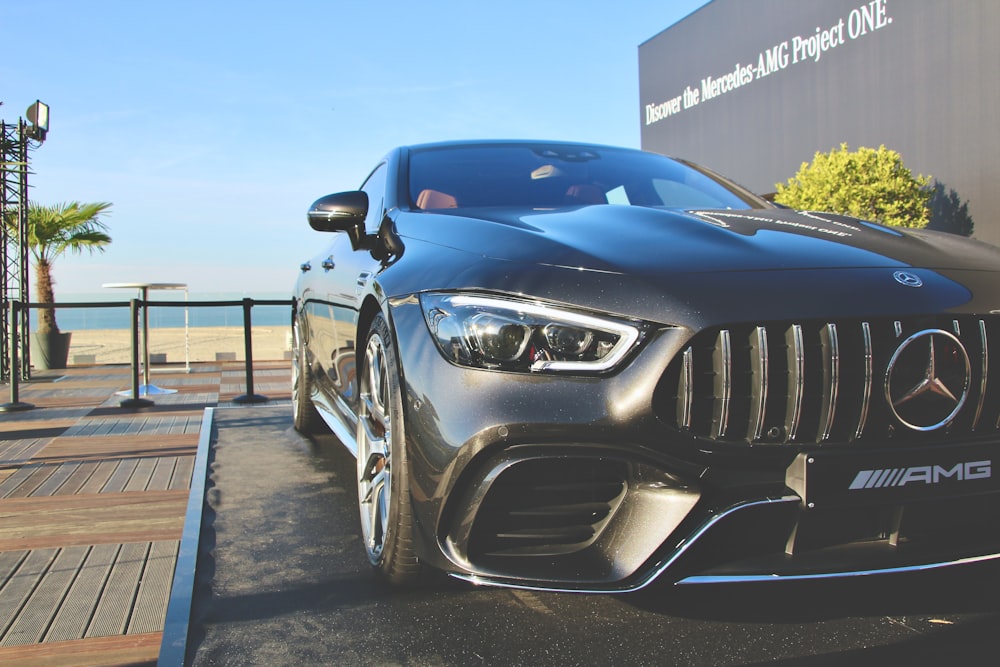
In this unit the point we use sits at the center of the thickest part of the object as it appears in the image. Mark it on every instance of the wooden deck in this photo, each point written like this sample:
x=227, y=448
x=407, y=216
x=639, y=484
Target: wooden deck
x=92, y=507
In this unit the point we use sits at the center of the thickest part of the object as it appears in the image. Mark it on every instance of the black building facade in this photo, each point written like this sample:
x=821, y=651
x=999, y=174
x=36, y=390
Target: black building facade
x=753, y=88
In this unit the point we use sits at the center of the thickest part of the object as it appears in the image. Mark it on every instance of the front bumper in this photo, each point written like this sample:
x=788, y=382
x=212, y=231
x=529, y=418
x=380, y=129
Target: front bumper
x=574, y=484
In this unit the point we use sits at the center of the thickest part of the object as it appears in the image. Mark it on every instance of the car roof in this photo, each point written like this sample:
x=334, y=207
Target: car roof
x=512, y=142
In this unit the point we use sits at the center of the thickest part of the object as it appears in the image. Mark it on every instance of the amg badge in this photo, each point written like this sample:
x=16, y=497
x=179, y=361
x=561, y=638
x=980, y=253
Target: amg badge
x=887, y=477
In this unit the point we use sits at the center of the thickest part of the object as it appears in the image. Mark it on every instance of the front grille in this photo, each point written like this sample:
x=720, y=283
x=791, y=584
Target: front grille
x=547, y=507
x=826, y=382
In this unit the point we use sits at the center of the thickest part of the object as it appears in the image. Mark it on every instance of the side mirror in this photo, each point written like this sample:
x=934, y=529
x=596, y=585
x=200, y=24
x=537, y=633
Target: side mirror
x=341, y=212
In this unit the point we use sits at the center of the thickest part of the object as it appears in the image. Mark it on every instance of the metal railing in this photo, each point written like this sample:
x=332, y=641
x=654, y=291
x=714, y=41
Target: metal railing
x=139, y=312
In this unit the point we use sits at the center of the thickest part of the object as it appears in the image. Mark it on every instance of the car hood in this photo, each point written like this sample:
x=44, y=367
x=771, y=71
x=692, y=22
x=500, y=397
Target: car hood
x=696, y=268
x=653, y=242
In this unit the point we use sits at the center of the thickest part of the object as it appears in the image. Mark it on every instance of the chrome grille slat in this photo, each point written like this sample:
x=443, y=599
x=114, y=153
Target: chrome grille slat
x=796, y=380
x=723, y=358
x=687, y=388
x=869, y=378
x=831, y=361
x=985, y=369
x=759, y=382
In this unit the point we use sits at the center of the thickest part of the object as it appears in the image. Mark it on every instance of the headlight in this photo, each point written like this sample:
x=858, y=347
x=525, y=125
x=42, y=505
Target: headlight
x=512, y=335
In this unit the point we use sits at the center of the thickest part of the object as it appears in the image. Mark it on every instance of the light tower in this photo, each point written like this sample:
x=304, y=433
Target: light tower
x=15, y=140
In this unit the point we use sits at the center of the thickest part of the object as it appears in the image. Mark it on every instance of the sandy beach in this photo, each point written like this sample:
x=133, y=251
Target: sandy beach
x=113, y=346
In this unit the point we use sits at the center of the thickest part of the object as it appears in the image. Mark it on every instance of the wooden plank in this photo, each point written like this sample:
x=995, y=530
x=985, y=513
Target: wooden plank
x=38, y=476
x=55, y=481
x=20, y=585
x=77, y=608
x=34, y=617
x=140, y=478
x=160, y=425
x=20, y=451
x=9, y=447
x=9, y=562
x=181, y=425
x=118, y=481
x=86, y=448
x=99, y=478
x=160, y=479
x=192, y=410
x=96, y=428
x=106, y=518
x=63, y=401
x=129, y=426
x=193, y=405
x=111, y=425
x=104, y=381
x=115, y=605
x=150, y=608
x=206, y=388
x=81, y=473
x=132, y=650
x=34, y=428
x=15, y=479
x=182, y=473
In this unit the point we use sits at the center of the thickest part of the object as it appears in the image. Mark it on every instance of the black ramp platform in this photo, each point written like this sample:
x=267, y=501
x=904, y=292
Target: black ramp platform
x=283, y=580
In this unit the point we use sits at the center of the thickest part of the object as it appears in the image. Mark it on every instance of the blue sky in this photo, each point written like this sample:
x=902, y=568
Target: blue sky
x=211, y=126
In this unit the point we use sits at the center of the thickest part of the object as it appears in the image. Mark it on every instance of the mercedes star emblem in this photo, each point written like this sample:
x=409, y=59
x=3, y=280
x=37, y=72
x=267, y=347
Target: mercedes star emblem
x=908, y=279
x=927, y=380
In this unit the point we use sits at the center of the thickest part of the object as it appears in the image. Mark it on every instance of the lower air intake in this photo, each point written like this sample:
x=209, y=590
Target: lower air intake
x=547, y=507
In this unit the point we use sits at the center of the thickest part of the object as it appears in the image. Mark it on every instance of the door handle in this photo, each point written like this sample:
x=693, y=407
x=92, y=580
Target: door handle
x=362, y=281
x=328, y=264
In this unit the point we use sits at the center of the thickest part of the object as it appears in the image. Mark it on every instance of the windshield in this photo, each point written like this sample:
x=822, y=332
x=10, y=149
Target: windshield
x=563, y=175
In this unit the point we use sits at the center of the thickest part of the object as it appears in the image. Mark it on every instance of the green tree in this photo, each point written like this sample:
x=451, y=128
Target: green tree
x=868, y=183
x=54, y=230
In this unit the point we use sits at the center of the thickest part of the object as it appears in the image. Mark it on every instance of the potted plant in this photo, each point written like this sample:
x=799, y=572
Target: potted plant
x=53, y=230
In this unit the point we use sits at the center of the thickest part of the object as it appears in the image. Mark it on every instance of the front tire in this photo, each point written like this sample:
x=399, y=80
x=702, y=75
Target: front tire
x=383, y=484
x=305, y=417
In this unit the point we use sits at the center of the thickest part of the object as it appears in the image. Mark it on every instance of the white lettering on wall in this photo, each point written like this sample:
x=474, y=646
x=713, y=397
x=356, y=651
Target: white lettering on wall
x=861, y=21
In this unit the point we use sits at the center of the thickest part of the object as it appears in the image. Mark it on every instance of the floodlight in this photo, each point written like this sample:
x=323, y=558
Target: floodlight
x=38, y=115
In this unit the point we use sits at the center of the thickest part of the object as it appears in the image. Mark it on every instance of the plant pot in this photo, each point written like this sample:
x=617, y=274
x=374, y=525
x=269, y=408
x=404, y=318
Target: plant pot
x=50, y=350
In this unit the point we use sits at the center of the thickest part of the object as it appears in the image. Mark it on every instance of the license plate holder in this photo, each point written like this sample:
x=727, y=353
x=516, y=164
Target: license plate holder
x=825, y=479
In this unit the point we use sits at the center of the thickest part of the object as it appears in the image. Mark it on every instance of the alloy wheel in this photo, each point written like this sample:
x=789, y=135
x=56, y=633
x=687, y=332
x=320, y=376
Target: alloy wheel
x=374, y=449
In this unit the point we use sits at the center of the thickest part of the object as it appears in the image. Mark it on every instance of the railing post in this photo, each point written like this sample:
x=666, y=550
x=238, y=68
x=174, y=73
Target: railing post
x=134, y=401
x=15, y=404
x=250, y=396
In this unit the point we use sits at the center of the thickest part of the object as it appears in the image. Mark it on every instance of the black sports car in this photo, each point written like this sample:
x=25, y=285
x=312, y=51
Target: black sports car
x=577, y=367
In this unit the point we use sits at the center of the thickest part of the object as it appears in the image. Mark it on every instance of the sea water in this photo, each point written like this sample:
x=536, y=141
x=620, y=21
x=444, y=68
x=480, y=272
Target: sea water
x=77, y=319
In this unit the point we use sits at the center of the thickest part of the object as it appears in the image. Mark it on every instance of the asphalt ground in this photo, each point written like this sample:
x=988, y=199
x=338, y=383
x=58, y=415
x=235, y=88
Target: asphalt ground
x=283, y=580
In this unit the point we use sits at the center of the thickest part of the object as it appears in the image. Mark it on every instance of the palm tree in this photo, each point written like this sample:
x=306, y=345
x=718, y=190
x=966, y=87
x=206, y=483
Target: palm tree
x=52, y=230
